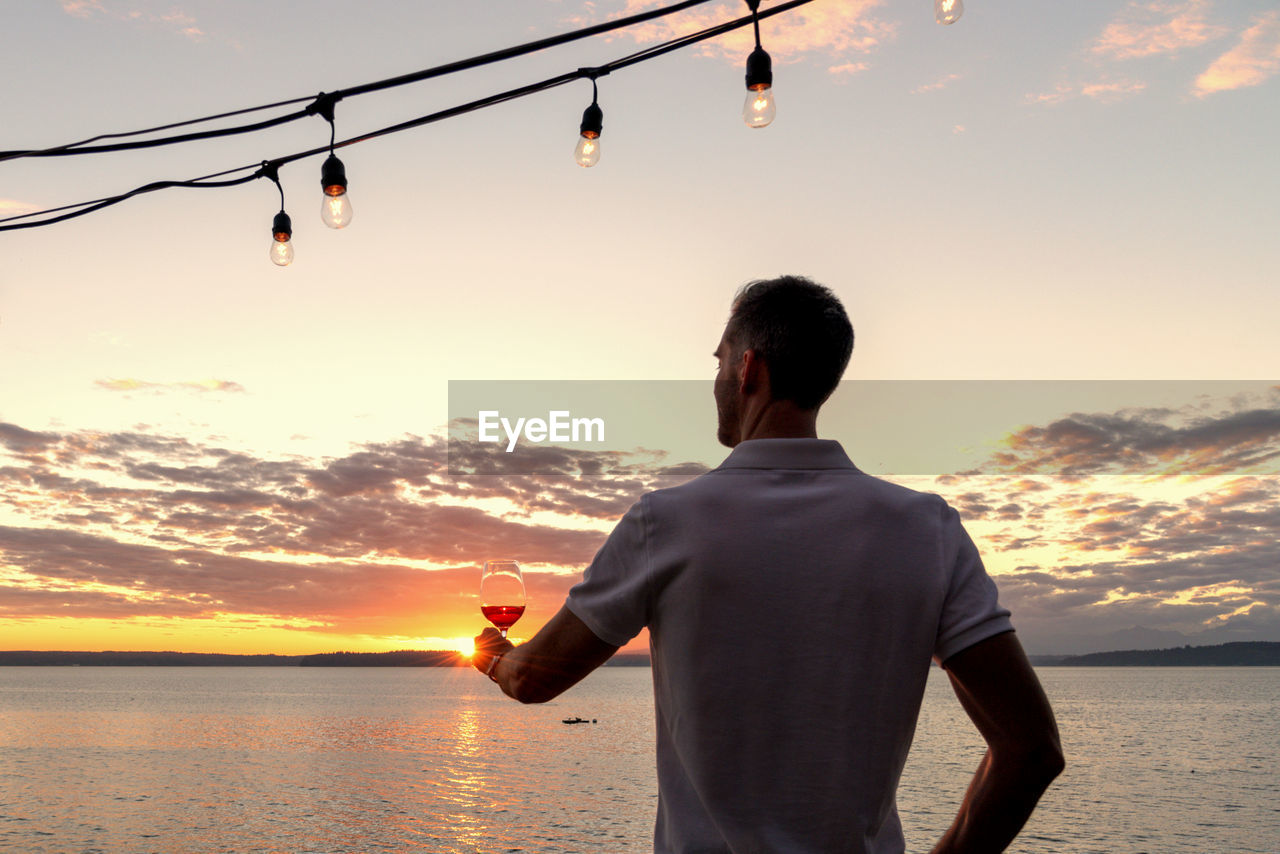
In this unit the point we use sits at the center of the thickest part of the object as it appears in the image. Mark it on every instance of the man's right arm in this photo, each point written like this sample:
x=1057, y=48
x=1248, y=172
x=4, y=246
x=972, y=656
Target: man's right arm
x=1003, y=698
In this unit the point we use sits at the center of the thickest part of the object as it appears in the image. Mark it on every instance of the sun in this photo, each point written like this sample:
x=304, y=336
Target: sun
x=464, y=646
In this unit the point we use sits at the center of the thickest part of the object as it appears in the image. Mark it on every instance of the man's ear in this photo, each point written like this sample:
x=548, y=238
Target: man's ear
x=754, y=373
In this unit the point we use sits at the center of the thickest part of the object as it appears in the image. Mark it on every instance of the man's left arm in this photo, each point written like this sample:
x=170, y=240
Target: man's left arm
x=554, y=660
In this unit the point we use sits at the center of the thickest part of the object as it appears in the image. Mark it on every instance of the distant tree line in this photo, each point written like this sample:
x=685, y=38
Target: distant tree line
x=1241, y=654
x=146, y=659
x=399, y=658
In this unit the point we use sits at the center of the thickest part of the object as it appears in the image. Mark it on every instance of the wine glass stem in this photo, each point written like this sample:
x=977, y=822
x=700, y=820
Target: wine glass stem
x=504, y=632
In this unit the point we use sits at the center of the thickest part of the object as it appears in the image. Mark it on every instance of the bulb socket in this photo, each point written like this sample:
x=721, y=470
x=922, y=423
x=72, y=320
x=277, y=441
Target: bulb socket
x=333, y=176
x=281, y=227
x=592, y=121
x=759, y=70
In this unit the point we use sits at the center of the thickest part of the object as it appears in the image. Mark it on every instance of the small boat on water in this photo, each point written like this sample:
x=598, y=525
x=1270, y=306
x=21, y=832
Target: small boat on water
x=578, y=721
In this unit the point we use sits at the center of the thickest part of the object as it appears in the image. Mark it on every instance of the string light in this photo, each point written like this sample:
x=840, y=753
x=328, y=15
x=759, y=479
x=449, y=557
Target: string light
x=281, y=243
x=587, y=152
x=336, y=206
x=759, y=108
x=85, y=146
x=281, y=226
x=948, y=11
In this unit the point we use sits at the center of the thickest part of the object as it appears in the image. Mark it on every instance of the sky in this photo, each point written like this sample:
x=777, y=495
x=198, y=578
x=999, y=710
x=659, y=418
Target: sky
x=201, y=451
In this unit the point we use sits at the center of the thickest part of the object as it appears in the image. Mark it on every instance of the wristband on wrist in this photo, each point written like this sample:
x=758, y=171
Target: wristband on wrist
x=493, y=666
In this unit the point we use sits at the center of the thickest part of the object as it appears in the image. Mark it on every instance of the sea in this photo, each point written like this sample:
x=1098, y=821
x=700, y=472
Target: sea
x=293, y=759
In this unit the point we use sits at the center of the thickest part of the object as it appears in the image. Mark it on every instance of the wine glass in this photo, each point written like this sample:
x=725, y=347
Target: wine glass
x=502, y=593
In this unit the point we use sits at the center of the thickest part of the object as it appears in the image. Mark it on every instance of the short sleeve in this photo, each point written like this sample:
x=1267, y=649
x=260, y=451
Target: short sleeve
x=613, y=597
x=971, y=611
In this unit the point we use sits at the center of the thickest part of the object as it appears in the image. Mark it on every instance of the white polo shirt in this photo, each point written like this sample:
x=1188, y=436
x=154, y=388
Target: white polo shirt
x=793, y=605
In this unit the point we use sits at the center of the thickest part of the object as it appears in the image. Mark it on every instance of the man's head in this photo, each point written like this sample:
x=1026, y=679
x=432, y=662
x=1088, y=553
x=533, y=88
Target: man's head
x=798, y=330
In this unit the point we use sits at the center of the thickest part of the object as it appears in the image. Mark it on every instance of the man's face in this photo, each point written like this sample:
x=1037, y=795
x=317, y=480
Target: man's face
x=727, y=394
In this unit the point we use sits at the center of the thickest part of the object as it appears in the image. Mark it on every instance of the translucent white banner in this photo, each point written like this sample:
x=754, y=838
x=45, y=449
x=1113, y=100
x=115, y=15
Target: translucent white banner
x=904, y=427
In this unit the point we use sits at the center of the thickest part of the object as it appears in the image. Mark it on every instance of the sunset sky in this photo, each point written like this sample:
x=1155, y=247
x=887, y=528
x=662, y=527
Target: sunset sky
x=202, y=451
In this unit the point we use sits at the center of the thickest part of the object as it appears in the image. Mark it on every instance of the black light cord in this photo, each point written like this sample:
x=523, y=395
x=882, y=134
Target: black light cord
x=80, y=147
x=84, y=147
x=99, y=204
x=11, y=223
x=754, y=6
x=271, y=170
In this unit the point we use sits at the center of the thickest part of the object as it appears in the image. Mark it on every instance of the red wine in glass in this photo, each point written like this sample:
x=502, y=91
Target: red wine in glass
x=502, y=597
x=502, y=616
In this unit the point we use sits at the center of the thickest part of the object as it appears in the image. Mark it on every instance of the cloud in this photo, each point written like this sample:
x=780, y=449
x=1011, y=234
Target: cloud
x=1105, y=91
x=1099, y=555
x=935, y=85
x=130, y=384
x=847, y=69
x=1251, y=62
x=13, y=207
x=16, y=438
x=171, y=18
x=834, y=29
x=144, y=524
x=1156, y=28
x=1242, y=436
x=82, y=8
x=1112, y=91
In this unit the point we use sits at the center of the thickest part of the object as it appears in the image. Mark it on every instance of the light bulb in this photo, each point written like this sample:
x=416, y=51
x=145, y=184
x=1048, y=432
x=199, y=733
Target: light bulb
x=759, y=109
x=948, y=11
x=335, y=208
x=281, y=248
x=588, y=151
x=281, y=252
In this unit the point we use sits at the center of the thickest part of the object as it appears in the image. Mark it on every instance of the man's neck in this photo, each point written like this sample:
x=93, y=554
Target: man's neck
x=779, y=419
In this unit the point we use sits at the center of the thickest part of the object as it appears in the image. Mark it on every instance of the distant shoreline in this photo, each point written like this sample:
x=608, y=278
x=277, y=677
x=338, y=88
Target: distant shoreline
x=1241, y=654
x=399, y=658
x=1238, y=654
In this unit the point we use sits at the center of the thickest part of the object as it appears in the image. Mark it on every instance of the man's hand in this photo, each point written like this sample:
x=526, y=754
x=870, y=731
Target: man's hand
x=489, y=645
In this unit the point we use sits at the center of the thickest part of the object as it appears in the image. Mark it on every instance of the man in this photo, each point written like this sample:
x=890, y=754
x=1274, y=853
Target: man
x=793, y=606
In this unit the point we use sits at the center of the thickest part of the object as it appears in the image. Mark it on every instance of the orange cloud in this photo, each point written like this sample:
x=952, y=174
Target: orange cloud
x=13, y=207
x=136, y=534
x=130, y=384
x=1112, y=91
x=173, y=18
x=848, y=68
x=1107, y=92
x=1062, y=93
x=1150, y=29
x=834, y=28
x=936, y=85
x=82, y=8
x=1249, y=63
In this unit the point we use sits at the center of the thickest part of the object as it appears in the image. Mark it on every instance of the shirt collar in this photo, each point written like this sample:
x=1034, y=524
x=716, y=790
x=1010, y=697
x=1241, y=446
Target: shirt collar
x=788, y=454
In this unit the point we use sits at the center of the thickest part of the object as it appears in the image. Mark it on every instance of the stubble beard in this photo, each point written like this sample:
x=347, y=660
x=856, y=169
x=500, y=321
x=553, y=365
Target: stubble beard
x=727, y=411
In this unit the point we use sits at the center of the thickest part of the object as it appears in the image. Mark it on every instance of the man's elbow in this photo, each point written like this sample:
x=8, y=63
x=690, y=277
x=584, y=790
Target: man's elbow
x=1042, y=763
x=1035, y=765
x=1048, y=763
x=525, y=687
